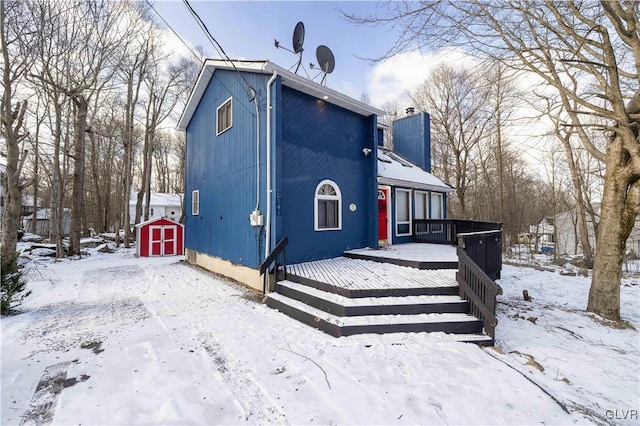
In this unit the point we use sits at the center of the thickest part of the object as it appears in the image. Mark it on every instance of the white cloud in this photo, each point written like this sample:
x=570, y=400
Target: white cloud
x=391, y=79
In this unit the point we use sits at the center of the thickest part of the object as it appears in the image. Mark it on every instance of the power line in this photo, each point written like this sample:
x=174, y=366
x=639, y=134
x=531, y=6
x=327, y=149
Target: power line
x=174, y=32
x=215, y=44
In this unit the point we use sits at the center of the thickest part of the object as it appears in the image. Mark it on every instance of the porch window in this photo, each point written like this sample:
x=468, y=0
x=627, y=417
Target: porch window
x=437, y=211
x=436, y=206
x=422, y=205
x=328, y=211
x=224, y=116
x=403, y=212
x=195, y=202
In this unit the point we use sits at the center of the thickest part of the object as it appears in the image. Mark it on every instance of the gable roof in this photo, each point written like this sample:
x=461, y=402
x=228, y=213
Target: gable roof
x=394, y=169
x=289, y=79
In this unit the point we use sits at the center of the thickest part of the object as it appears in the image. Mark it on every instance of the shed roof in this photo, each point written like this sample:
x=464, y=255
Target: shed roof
x=394, y=169
x=289, y=79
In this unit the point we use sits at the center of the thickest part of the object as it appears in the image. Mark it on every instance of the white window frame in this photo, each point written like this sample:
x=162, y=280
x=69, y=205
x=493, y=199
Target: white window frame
x=224, y=105
x=195, y=202
x=427, y=200
x=404, y=222
x=437, y=229
x=317, y=197
x=437, y=194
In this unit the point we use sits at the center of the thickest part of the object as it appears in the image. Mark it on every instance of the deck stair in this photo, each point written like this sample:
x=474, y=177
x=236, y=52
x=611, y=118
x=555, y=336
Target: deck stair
x=343, y=297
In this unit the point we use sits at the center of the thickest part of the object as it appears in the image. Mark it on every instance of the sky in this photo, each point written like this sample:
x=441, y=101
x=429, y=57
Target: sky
x=246, y=30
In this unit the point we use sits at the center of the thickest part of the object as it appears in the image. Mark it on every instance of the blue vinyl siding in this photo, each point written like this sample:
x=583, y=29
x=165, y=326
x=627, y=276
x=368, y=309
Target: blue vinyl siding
x=322, y=141
x=223, y=169
x=412, y=139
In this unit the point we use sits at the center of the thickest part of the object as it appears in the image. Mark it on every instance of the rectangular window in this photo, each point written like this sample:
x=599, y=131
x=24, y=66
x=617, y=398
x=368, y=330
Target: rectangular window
x=151, y=212
x=436, y=212
x=195, y=202
x=327, y=214
x=422, y=205
x=403, y=212
x=224, y=116
x=436, y=206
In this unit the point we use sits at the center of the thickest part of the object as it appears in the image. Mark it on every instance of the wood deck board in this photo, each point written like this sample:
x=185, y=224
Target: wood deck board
x=356, y=274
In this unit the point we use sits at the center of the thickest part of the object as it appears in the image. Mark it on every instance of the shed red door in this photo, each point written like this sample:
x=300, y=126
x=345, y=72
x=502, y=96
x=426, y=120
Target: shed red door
x=162, y=240
x=382, y=214
x=169, y=240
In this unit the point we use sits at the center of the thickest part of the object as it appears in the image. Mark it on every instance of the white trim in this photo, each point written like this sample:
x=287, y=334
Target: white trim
x=410, y=198
x=223, y=105
x=195, y=202
x=316, y=198
x=413, y=185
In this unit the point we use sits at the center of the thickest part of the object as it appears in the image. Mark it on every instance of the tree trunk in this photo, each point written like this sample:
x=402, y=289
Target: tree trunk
x=77, y=205
x=620, y=204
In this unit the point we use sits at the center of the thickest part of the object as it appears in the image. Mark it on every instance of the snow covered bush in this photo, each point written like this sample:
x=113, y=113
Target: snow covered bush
x=13, y=289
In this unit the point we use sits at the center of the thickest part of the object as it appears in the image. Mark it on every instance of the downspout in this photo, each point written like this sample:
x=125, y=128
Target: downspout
x=267, y=245
x=255, y=102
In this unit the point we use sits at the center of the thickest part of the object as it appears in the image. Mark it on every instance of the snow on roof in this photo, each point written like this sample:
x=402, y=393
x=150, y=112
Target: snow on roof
x=394, y=169
x=45, y=214
x=160, y=199
x=289, y=79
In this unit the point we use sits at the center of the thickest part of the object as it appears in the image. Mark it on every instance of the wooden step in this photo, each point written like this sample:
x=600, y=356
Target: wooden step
x=339, y=305
x=400, y=291
x=349, y=325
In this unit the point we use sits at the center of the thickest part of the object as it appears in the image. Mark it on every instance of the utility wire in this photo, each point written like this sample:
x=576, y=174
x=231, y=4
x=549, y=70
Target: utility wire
x=174, y=32
x=217, y=45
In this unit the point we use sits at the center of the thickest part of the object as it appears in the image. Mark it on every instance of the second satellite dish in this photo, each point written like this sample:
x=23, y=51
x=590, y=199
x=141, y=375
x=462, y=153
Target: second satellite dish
x=325, y=58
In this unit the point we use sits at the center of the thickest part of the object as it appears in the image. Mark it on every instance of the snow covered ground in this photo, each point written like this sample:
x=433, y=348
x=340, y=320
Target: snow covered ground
x=124, y=340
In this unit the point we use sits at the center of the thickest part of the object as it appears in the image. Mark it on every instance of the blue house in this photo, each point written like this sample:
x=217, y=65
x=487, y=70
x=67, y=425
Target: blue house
x=271, y=154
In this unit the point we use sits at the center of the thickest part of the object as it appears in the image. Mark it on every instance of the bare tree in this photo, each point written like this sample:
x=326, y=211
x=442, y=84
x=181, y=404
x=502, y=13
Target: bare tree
x=456, y=101
x=14, y=38
x=588, y=53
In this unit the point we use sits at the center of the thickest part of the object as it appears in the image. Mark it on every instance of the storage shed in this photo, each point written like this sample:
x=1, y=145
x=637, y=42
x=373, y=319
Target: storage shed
x=159, y=237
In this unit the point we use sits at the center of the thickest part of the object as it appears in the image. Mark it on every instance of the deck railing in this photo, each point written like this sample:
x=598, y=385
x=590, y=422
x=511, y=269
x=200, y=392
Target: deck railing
x=445, y=231
x=479, y=290
x=271, y=259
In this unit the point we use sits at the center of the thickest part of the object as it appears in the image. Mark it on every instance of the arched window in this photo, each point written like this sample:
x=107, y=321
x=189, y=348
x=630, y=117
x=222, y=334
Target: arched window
x=328, y=209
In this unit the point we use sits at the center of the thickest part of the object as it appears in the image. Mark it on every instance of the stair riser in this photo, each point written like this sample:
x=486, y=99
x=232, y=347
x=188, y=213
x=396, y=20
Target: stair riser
x=466, y=327
x=304, y=317
x=400, y=309
x=389, y=292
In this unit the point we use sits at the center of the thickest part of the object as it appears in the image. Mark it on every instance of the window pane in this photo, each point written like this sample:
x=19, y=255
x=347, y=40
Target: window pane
x=402, y=206
x=436, y=206
x=403, y=228
x=332, y=214
x=420, y=205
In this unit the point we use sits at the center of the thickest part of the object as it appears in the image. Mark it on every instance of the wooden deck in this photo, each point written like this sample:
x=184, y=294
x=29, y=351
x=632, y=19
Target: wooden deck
x=356, y=274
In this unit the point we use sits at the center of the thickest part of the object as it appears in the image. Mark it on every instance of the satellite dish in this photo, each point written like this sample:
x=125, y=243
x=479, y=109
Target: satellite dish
x=298, y=37
x=298, y=40
x=325, y=58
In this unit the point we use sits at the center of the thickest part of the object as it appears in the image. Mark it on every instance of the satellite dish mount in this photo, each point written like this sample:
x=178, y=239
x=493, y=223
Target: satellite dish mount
x=298, y=41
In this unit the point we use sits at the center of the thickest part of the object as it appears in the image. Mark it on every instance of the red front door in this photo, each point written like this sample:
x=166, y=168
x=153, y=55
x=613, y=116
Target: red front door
x=382, y=213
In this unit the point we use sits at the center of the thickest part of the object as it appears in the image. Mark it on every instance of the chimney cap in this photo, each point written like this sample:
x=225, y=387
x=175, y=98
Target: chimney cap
x=410, y=110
